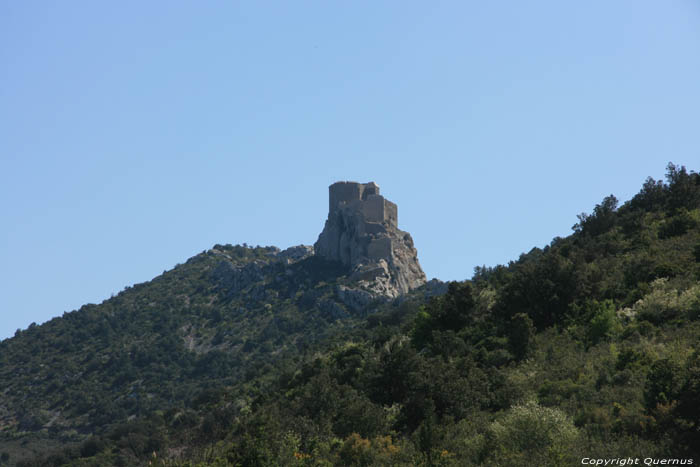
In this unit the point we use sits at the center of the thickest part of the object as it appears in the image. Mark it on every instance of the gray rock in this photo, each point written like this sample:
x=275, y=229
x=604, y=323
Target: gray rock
x=233, y=278
x=355, y=299
x=295, y=253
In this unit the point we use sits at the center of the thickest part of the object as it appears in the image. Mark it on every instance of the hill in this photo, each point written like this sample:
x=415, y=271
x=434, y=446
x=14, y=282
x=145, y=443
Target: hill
x=252, y=356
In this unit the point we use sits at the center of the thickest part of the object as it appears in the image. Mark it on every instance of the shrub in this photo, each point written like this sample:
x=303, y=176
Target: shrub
x=540, y=435
x=605, y=323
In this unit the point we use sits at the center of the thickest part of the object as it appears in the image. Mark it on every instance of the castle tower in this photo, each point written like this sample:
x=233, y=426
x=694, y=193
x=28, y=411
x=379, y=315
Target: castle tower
x=362, y=197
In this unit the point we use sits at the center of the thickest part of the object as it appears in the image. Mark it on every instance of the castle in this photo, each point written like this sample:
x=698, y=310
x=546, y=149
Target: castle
x=362, y=233
x=362, y=197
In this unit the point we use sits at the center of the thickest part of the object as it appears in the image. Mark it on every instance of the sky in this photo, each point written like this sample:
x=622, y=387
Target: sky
x=134, y=135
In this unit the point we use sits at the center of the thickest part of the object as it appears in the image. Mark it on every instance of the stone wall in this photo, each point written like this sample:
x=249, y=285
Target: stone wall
x=363, y=198
x=372, y=208
x=341, y=193
x=379, y=248
x=391, y=213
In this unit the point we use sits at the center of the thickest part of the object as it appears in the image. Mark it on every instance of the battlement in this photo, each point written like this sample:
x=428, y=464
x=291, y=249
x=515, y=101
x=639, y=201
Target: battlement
x=365, y=198
x=346, y=192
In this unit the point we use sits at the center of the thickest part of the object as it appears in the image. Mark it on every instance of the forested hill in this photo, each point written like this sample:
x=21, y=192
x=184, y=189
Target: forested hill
x=228, y=320
x=244, y=356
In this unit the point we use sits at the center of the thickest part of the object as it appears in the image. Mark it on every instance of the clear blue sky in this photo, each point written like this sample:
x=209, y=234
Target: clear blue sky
x=134, y=135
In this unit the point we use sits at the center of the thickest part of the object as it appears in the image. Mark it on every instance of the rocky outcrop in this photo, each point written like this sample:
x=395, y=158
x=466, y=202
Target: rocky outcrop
x=362, y=233
x=355, y=299
x=295, y=253
x=233, y=278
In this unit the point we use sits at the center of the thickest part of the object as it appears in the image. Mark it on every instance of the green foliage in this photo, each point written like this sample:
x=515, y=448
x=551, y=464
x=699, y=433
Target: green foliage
x=521, y=335
x=451, y=312
x=529, y=434
x=683, y=188
x=542, y=286
x=604, y=321
x=664, y=383
x=680, y=223
x=665, y=302
x=586, y=347
x=602, y=220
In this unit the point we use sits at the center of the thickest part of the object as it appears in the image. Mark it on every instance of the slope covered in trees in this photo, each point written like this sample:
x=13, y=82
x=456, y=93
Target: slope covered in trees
x=229, y=319
x=585, y=348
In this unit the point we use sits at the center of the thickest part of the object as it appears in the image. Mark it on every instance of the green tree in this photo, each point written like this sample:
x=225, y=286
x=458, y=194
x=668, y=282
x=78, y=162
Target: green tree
x=604, y=323
x=683, y=188
x=688, y=409
x=664, y=383
x=602, y=219
x=521, y=335
x=543, y=285
x=529, y=434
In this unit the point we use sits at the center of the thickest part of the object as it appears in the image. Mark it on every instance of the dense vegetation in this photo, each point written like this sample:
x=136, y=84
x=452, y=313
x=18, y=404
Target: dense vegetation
x=585, y=348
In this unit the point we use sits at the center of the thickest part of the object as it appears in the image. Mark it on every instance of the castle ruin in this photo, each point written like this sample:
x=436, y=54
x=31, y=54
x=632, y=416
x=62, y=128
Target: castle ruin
x=363, y=197
x=362, y=233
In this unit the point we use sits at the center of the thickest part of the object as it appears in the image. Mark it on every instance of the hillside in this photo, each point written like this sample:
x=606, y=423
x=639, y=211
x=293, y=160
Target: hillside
x=228, y=319
x=252, y=356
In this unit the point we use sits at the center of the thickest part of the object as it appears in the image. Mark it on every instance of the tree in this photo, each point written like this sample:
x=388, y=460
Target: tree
x=428, y=435
x=542, y=287
x=451, y=312
x=604, y=323
x=688, y=409
x=521, y=335
x=532, y=435
x=602, y=219
x=651, y=197
x=664, y=383
x=683, y=188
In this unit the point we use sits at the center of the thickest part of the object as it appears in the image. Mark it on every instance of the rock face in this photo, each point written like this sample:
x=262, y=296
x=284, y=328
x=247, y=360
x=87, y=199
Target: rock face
x=362, y=233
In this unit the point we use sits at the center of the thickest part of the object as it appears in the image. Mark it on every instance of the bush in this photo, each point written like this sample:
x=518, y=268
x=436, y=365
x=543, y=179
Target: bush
x=540, y=435
x=522, y=333
x=604, y=324
x=665, y=302
x=679, y=224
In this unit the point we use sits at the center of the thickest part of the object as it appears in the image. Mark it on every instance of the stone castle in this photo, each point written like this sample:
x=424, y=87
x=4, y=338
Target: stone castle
x=362, y=233
x=364, y=197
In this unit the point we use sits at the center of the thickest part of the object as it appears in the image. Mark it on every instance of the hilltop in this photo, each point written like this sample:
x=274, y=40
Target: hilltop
x=227, y=320
x=330, y=356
